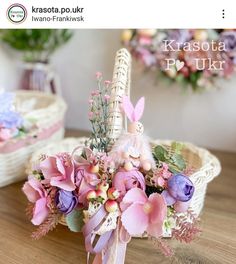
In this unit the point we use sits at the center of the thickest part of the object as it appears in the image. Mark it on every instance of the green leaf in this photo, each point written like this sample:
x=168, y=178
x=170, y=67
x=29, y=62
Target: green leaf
x=173, y=169
x=160, y=153
x=178, y=161
x=177, y=147
x=75, y=221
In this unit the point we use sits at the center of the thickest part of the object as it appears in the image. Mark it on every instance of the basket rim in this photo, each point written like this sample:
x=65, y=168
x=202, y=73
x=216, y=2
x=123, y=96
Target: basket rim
x=209, y=161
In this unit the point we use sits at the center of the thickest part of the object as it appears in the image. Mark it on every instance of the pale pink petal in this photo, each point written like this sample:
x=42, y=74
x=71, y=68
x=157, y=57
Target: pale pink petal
x=155, y=229
x=181, y=207
x=37, y=186
x=118, y=182
x=31, y=194
x=60, y=166
x=40, y=211
x=83, y=190
x=135, y=195
x=66, y=185
x=124, y=206
x=49, y=167
x=159, y=208
x=134, y=219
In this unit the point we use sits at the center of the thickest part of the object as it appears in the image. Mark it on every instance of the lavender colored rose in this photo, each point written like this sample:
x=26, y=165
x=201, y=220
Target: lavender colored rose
x=180, y=187
x=66, y=201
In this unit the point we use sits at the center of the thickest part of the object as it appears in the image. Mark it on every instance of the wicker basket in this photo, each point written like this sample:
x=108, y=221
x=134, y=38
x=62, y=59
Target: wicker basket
x=205, y=165
x=48, y=112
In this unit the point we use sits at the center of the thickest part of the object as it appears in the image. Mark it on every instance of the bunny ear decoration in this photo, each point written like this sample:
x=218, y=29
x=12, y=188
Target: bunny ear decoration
x=139, y=108
x=128, y=107
x=133, y=114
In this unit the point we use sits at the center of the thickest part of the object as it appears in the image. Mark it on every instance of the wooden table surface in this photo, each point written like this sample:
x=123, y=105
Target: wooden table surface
x=217, y=243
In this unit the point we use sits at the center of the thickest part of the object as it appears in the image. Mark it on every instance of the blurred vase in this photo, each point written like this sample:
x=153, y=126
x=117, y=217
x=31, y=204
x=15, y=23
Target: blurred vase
x=39, y=76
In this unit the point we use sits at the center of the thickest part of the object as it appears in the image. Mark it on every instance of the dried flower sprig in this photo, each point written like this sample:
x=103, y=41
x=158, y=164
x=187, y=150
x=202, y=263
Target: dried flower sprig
x=99, y=114
x=48, y=225
x=163, y=246
x=29, y=210
x=187, y=226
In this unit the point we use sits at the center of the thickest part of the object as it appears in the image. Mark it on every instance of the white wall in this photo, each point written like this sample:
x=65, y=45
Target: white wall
x=207, y=119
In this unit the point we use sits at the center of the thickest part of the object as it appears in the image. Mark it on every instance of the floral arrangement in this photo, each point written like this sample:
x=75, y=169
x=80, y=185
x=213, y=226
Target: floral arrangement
x=99, y=189
x=192, y=57
x=11, y=122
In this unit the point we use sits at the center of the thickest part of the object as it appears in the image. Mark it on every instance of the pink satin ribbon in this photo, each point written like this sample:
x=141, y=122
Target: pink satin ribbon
x=17, y=143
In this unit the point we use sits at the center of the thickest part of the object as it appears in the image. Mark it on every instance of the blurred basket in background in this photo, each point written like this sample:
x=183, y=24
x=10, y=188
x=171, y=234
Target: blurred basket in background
x=48, y=113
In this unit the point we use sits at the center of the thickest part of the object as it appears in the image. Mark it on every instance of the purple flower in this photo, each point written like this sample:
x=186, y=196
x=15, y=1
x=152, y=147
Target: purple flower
x=179, y=188
x=66, y=201
x=229, y=39
x=8, y=117
x=179, y=35
x=6, y=101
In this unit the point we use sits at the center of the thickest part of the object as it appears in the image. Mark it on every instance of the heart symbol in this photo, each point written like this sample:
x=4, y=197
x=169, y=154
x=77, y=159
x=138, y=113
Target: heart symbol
x=179, y=64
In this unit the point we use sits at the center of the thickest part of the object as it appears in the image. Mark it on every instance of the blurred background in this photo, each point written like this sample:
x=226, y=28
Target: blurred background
x=207, y=118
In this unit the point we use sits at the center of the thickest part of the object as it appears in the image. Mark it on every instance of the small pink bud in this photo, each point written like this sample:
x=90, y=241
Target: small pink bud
x=128, y=166
x=111, y=206
x=94, y=168
x=106, y=97
x=107, y=82
x=91, y=195
x=90, y=115
x=103, y=186
x=98, y=75
x=101, y=194
x=94, y=93
x=113, y=193
x=90, y=101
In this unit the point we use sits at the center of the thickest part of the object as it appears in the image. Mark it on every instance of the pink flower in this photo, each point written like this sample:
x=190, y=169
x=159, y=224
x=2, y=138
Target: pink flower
x=123, y=181
x=86, y=181
x=5, y=134
x=90, y=115
x=107, y=82
x=95, y=93
x=161, y=175
x=106, y=97
x=35, y=193
x=59, y=171
x=98, y=75
x=148, y=213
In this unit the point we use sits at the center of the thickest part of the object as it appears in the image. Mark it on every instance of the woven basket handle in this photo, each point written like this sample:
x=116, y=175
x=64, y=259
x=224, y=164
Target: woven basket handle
x=120, y=87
